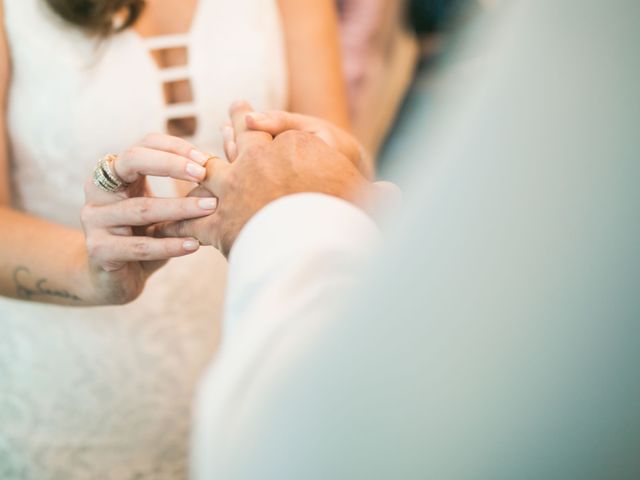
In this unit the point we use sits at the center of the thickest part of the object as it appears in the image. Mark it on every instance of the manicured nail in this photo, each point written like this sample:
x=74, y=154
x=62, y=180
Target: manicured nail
x=198, y=157
x=227, y=133
x=208, y=203
x=195, y=170
x=258, y=117
x=191, y=245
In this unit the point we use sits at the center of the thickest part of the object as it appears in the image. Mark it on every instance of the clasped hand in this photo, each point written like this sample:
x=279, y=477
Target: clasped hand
x=130, y=234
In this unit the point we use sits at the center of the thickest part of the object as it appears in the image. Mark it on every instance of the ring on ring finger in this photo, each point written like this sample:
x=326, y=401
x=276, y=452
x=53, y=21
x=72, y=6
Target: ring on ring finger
x=105, y=177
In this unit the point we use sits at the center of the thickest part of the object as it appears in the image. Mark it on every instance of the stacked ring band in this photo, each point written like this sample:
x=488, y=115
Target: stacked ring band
x=104, y=176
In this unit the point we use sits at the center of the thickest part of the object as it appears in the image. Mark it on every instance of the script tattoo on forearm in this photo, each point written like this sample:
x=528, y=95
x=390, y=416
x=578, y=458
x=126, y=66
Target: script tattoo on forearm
x=22, y=275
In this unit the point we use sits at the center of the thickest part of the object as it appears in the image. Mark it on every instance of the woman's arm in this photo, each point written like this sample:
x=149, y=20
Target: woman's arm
x=316, y=82
x=44, y=262
x=39, y=261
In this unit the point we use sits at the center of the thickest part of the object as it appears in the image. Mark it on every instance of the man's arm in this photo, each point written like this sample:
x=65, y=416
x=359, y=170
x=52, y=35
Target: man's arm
x=274, y=280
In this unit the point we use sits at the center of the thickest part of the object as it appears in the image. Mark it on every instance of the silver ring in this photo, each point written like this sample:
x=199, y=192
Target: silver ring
x=105, y=177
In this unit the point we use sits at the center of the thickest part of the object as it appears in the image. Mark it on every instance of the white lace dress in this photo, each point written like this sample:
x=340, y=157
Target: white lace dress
x=106, y=393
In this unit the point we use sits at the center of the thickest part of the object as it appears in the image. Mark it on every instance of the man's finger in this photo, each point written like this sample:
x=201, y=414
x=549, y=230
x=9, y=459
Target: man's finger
x=276, y=123
x=245, y=137
x=217, y=171
x=230, y=148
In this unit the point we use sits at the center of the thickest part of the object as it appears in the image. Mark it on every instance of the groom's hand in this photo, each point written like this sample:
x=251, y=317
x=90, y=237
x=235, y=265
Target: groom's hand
x=264, y=170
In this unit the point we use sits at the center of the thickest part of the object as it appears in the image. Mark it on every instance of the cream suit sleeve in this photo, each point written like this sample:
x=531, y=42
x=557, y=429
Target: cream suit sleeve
x=297, y=259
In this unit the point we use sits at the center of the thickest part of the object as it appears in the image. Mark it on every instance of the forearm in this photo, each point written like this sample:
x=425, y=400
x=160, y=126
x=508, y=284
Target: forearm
x=316, y=84
x=42, y=262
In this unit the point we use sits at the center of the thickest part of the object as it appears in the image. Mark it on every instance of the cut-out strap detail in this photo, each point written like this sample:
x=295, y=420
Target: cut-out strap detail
x=172, y=74
x=181, y=110
x=163, y=42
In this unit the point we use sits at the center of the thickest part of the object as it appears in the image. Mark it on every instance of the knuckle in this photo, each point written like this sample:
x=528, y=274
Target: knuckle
x=254, y=151
x=150, y=137
x=231, y=182
x=86, y=215
x=130, y=153
x=294, y=142
x=291, y=136
x=93, y=246
x=186, y=206
x=143, y=209
x=180, y=145
x=141, y=249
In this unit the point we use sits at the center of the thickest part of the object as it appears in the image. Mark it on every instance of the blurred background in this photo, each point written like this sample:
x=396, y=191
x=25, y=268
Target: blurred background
x=391, y=50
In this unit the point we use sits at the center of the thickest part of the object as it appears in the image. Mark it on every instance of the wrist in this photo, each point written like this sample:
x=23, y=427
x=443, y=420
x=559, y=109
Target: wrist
x=82, y=277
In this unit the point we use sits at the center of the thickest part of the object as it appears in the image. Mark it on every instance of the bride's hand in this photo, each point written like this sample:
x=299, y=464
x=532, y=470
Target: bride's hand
x=277, y=122
x=120, y=254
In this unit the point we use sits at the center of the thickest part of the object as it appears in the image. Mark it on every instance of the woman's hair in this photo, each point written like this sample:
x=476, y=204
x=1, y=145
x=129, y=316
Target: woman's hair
x=98, y=16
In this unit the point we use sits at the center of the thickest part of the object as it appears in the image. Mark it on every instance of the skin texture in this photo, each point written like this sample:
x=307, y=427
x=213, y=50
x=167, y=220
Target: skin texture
x=266, y=169
x=44, y=262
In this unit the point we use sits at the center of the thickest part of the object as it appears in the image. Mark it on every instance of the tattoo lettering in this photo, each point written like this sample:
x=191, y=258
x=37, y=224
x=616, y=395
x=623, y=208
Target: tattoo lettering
x=39, y=289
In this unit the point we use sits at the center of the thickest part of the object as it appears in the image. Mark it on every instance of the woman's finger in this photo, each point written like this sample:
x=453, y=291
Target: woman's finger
x=110, y=252
x=147, y=210
x=138, y=161
x=171, y=144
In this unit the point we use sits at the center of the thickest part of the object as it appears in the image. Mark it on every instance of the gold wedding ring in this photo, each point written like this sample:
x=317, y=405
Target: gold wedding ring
x=105, y=177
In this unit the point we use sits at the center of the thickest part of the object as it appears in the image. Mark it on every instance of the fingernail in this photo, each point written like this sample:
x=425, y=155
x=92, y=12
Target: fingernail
x=208, y=203
x=227, y=133
x=198, y=156
x=195, y=170
x=258, y=117
x=191, y=245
